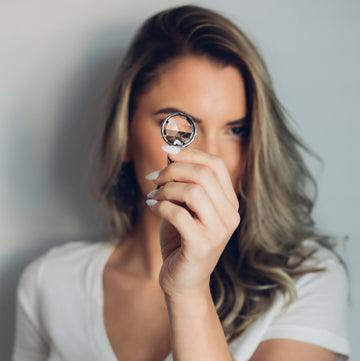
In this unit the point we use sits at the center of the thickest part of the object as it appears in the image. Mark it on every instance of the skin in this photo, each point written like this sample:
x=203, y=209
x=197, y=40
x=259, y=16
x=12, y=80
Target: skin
x=202, y=176
x=196, y=210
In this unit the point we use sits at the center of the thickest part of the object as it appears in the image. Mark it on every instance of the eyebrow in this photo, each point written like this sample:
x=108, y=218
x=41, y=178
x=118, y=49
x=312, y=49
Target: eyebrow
x=168, y=111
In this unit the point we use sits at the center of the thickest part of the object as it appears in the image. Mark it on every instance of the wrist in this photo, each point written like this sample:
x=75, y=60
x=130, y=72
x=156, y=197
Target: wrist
x=192, y=317
x=189, y=298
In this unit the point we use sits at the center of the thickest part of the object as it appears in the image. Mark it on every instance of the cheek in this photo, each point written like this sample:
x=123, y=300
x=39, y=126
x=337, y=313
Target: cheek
x=147, y=156
x=235, y=165
x=235, y=173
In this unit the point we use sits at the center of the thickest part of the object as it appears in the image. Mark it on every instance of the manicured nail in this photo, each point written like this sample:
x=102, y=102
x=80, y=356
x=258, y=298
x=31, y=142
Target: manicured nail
x=152, y=193
x=153, y=175
x=151, y=202
x=171, y=149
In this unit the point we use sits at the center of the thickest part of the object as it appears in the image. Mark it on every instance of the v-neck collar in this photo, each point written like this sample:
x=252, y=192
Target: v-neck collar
x=101, y=342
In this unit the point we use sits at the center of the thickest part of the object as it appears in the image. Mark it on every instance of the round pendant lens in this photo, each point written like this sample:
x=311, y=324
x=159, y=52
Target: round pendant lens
x=178, y=129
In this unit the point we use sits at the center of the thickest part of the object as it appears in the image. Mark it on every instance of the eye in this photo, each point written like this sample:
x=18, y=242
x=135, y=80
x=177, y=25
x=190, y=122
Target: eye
x=242, y=131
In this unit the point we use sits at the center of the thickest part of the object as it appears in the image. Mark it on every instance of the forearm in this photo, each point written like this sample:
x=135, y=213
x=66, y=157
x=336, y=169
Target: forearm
x=196, y=331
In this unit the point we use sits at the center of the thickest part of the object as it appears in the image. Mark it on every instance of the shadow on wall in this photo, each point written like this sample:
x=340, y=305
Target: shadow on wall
x=49, y=175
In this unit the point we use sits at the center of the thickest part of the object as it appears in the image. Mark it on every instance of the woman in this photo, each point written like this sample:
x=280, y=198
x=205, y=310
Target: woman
x=215, y=256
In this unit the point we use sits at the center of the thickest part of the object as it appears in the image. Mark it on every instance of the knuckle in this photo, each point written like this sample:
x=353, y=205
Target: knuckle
x=171, y=168
x=223, y=234
x=162, y=207
x=164, y=189
x=237, y=199
x=236, y=203
x=235, y=220
x=192, y=191
x=177, y=213
x=218, y=162
x=203, y=172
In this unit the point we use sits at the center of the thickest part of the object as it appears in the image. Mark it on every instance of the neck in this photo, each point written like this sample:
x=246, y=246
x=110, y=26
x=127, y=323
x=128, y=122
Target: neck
x=140, y=253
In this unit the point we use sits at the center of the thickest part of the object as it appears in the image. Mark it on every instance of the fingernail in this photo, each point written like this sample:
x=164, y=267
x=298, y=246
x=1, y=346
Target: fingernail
x=152, y=193
x=153, y=175
x=171, y=149
x=151, y=202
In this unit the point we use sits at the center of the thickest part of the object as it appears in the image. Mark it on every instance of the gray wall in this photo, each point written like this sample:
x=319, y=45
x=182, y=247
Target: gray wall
x=57, y=59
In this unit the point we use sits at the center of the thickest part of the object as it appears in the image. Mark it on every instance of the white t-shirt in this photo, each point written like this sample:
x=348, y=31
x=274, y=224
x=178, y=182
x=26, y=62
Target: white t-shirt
x=60, y=308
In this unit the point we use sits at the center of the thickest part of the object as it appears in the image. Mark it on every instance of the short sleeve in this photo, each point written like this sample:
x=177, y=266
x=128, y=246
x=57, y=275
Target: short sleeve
x=318, y=315
x=30, y=340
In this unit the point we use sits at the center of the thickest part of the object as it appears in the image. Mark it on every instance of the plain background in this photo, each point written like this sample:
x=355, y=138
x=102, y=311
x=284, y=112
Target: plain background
x=57, y=59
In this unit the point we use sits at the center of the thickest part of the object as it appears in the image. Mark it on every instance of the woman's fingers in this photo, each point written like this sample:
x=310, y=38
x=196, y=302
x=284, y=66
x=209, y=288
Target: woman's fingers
x=212, y=162
x=192, y=197
x=203, y=177
x=200, y=184
x=198, y=242
x=178, y=216
x=199, y=210
x=220, y=219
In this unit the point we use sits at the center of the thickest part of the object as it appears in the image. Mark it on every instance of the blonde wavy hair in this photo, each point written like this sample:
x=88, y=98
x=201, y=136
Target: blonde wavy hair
x=275, y=205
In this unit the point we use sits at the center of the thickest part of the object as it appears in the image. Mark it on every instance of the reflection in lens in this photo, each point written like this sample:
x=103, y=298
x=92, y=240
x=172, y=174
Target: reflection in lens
x=178, y=129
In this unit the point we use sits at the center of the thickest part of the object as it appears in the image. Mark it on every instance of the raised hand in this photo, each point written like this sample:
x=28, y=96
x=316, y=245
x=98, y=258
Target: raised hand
x=199, y=210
